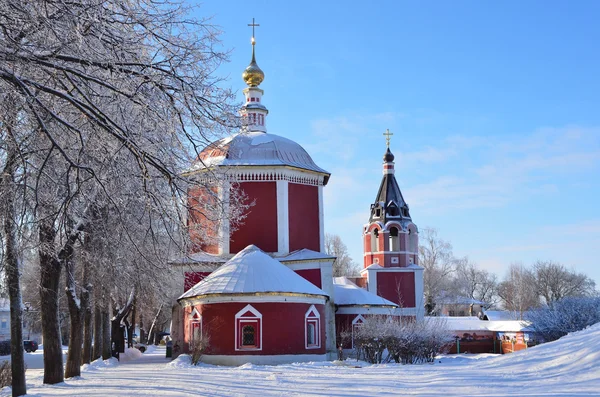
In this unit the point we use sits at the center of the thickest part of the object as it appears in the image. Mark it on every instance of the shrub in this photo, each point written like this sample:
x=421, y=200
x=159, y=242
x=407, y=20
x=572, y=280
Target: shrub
x=381, y=339
x=199, y=348
x=4, y=348
x=5, y=374
x=564, y=316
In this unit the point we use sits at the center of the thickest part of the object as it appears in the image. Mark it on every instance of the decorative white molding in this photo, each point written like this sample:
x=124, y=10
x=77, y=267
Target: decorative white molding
x=240, y=173
x=390, y=252
x=224, y=230
x=250, y=320
x=253, y=299
x=283, y=217
x=312, y=316
x=321, y=221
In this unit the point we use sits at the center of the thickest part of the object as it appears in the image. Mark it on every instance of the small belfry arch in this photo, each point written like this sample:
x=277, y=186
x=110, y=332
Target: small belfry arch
x=248, y=329
x=394, y=238
x=375, y=240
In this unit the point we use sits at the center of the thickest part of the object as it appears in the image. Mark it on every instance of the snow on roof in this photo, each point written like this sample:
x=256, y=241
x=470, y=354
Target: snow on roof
x=256, y=148
x=305, y=254
x=347, y=294
x=252, y=271
x=475, y=324
x=495, y=315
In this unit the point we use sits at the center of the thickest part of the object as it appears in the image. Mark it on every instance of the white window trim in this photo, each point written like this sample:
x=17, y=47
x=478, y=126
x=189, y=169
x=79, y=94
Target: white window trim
x=194, y=318
x=355, y=322
x=239, y=320
x=316, y=320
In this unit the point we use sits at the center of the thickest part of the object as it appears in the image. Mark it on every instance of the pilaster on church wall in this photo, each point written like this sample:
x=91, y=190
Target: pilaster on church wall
x=384, y=240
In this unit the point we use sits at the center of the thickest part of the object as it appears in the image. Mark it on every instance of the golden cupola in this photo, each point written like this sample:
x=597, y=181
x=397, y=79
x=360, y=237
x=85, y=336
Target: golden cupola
x=253, y=75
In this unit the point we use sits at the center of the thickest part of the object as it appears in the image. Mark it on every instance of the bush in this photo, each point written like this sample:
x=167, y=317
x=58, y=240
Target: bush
x=5, y=374
x=382, y=339
x=4, y=348
x=199, y=348
x=564, y=316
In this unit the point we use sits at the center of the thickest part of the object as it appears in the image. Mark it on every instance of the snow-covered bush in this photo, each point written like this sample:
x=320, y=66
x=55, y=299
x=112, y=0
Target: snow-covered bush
x=564, y=316
x=383, y=339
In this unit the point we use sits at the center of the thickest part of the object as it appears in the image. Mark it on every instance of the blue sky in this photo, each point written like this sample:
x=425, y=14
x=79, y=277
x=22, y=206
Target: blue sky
x=494, y=106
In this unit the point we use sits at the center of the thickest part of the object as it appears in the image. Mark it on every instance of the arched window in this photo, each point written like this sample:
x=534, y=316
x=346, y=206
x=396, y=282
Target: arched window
x=248, y=329
x=374, y=240
x=394, y=239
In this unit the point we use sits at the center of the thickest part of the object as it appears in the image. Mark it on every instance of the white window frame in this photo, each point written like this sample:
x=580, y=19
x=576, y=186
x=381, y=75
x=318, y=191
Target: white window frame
x=194, y=318
x=241, y=321
x=313, y=317
x=357, y=322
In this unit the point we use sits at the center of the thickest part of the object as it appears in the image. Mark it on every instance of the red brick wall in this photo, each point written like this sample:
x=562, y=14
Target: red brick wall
x=260, y=225
x=202, y=229
x=397, y=287
x=282, y=327
x=312, y=275
x=303, y=201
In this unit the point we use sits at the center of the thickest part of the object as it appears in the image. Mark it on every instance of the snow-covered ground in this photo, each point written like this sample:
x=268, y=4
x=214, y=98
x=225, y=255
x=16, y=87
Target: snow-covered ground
x=568, y=367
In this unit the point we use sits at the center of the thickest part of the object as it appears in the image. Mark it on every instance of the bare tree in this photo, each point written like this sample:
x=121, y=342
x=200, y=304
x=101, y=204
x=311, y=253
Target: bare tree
x=555, y=282
x=9, y=188
x=517, y=291
x=436, y=256
x=106, y=81
x=343, y=265
x=472, y=282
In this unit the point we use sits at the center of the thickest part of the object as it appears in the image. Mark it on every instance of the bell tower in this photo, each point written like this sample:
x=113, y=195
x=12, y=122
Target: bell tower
x=391, y=244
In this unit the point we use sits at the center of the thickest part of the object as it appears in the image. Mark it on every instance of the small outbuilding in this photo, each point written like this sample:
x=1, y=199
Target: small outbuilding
x=254, y=309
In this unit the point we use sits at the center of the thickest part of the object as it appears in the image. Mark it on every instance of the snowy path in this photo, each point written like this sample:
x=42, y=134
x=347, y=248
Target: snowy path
x=568, y=367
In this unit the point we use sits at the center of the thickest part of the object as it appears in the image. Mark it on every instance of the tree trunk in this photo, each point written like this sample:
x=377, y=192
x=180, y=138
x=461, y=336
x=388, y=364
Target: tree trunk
x=106, y=347
x=131, y=329
x=117, y=336
x=49, y=277
x=142, y=331
x=73, y=367
x=86, y=311
x=11, y=264
x=98, y=338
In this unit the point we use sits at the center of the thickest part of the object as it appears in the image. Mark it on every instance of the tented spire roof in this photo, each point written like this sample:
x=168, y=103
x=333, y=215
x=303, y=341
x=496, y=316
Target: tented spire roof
x=389, y=203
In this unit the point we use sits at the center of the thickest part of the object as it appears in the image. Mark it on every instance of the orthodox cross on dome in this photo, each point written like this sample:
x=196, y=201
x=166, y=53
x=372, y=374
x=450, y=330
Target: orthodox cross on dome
x=388, y=136
x=253, y=25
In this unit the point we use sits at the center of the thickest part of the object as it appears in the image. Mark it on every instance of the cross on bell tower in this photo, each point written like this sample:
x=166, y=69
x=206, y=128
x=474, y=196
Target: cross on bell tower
x=388, y=136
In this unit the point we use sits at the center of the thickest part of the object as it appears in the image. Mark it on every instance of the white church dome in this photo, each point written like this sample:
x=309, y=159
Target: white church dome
x=252, y=271
x=256, y=148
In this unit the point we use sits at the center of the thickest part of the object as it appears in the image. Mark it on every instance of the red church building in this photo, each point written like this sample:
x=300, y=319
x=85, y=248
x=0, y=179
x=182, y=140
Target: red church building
x=263, y=292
